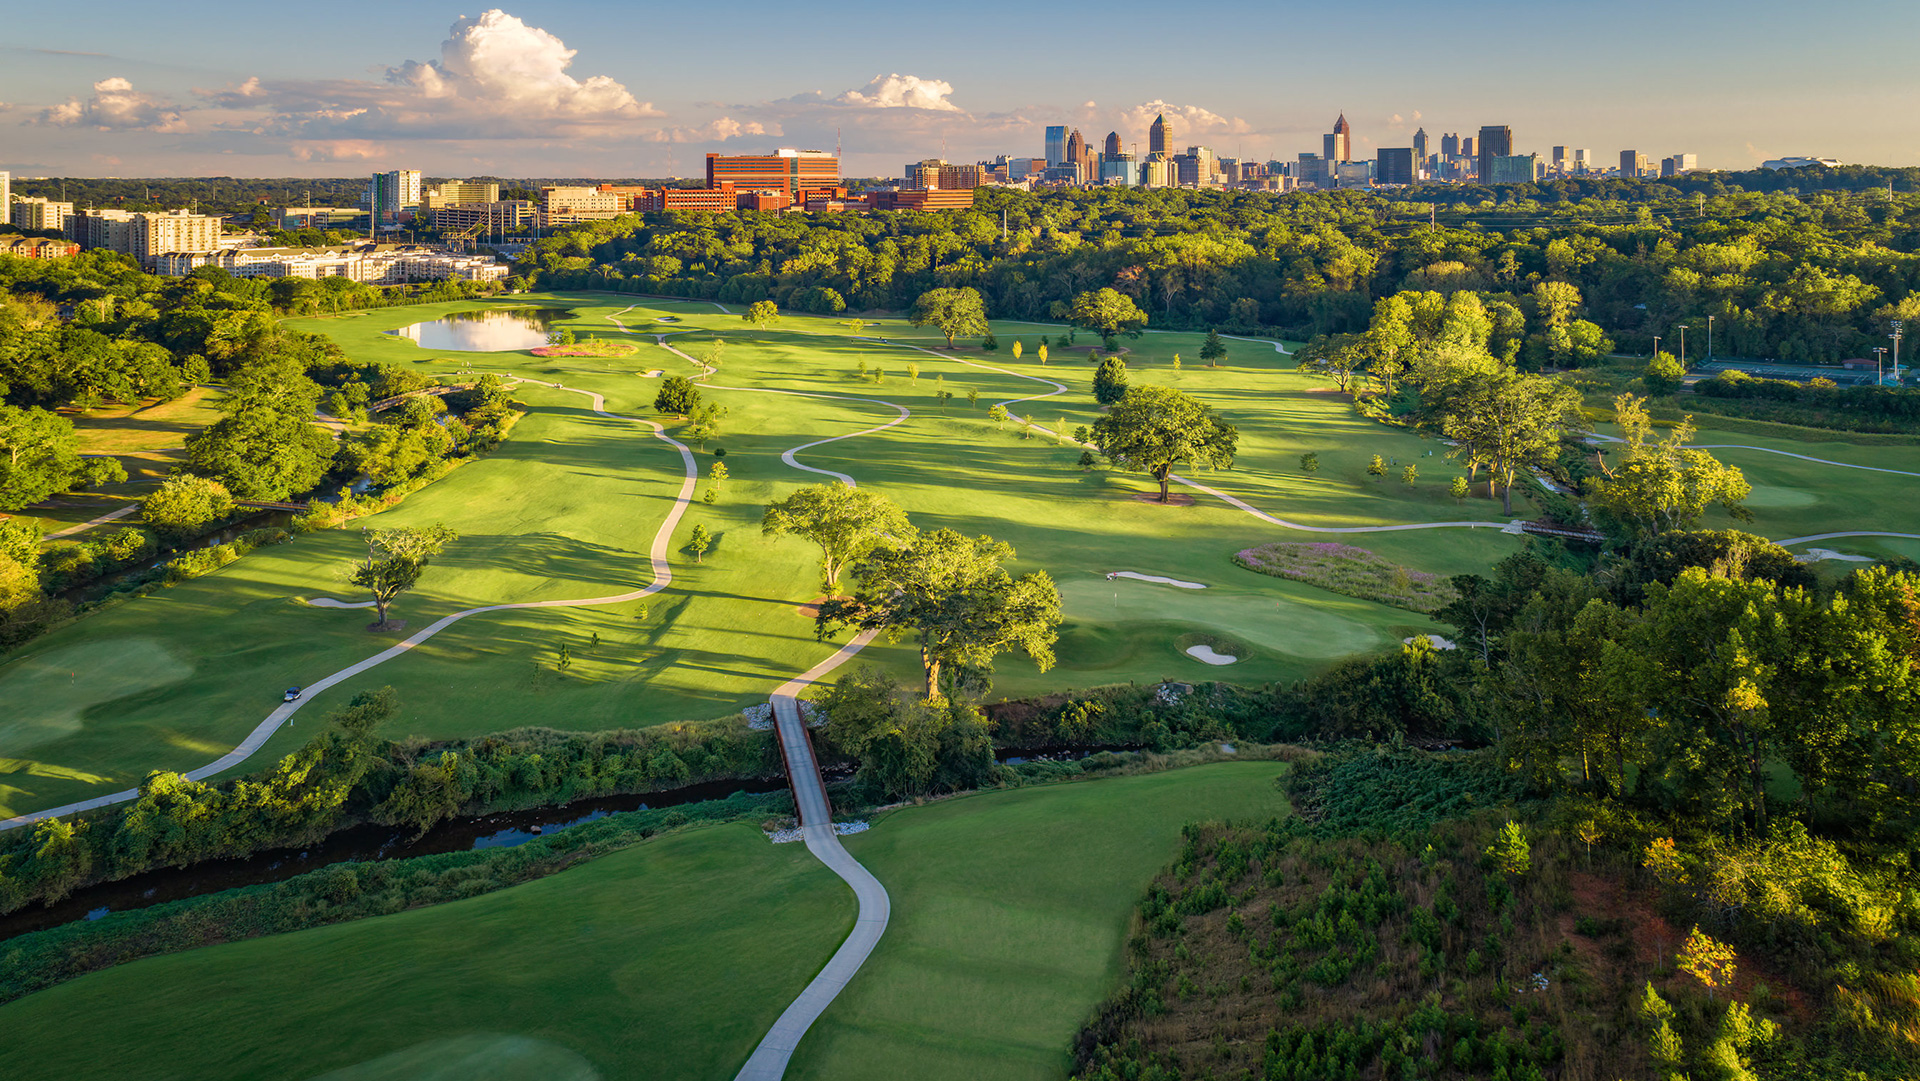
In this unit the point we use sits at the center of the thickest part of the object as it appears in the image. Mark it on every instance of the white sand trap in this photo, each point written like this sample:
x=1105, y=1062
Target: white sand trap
x=1815, y=555
x=1206, y=655
x=654, y=374
x=329, y=602
x=1438, y=642
x=1155, y=578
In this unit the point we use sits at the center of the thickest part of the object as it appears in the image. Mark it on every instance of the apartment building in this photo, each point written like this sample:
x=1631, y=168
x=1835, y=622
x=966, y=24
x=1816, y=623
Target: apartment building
x=174, y=232
x=33, y=212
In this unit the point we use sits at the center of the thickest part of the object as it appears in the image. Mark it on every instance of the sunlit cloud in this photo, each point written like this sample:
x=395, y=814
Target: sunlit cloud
x=115, y=106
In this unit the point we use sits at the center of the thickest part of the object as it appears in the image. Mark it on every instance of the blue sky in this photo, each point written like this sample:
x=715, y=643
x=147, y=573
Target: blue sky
x=602, y=89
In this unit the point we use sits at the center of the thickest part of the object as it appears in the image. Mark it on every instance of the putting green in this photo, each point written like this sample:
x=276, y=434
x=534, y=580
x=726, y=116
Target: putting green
x=1299, y=628
x=48, y=694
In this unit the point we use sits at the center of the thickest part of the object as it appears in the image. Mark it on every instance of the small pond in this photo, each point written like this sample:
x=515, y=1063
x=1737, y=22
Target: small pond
x=496, y=330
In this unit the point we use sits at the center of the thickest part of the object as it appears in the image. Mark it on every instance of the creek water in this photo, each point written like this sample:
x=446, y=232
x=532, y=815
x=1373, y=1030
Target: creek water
x=358, y=843
x=375, y=842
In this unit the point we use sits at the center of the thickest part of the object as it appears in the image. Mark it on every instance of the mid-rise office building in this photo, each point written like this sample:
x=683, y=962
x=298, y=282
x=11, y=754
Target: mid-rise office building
x=1512, y=169
x=1158, y=172
x=1467, y=149
x=1632, y=163
x=1396, y=165
x=1494, y=141
x=1420, y=147
x=505, y=217
x=785, y=169
x=6, y=191
x=1160, y=136
x=1118, y=170
x=1450, y=145
x=175, y=232
x=1337, y=145
x=1679, y=164
x=33, y=212
x=571, y=205
x=1056, y=144
x=1196, y=167
x=941, y=174
x=455, y=192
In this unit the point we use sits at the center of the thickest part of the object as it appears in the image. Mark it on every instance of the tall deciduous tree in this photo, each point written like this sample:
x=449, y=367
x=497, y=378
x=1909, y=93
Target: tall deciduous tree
x=37, y=456
x=1108, y=313
x=266, y=446
x=1513, y=423
x=395, y=560
x=847, y=523
x=954, y=597
x=1662, y=486
x=955, y=312
x=762, y=312
x=677, y=395
x=1153, y=429
x=184, y=506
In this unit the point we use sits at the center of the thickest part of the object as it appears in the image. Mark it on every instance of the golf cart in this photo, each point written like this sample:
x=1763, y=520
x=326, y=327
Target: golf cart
x=292, y=695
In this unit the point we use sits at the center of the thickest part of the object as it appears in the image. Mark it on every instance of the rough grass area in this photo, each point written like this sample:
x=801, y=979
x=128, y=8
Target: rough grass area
x=1354, y=572
x=1264, y=953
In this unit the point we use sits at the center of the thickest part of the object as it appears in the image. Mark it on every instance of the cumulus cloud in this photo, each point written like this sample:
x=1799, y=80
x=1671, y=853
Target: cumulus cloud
x=718, y=130
x=1186, y=120
x=115, y=106
x=896, y=91
x=496, y=78
x=498, y=59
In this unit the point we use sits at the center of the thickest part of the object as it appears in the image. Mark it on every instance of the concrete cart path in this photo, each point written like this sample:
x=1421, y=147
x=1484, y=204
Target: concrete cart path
x=769, y=1060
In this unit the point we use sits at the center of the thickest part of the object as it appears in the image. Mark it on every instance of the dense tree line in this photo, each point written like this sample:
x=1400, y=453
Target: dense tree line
x=347, y=775
x=1784, y=274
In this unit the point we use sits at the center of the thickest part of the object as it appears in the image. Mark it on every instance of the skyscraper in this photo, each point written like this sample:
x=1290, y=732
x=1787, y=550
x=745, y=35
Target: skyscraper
x=1495, y=141
x=1632, y=163
x=1420, y=145
x=1395, y=165
x=1076, y=150
x=1560, y=163
x=1160, y=136
x=1056, y=144
x=1337, y=145
x=1450, y=145
x=1113, y=146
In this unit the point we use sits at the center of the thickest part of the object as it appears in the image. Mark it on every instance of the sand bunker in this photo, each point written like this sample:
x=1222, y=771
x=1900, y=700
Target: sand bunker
x=1157, y=579
x=1206, y=655
x=329, y=602
x=1815, y=555
x=1438, y=642
x=654, y=374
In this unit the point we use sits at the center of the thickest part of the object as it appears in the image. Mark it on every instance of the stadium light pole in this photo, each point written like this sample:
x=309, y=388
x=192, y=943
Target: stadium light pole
x=1897, y=325
x=1709, y=338
x=1683, y=345
x=1879, y=354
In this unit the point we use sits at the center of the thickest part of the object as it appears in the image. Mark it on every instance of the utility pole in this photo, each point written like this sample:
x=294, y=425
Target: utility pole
x=1683, y=346
x=1709, y=338
x=1879, y=356
x=1656, y=345
x=1897, y=325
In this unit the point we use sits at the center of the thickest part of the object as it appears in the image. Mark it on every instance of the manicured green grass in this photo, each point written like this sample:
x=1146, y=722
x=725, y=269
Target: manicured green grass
x=671, y=959
x=147, y=440
x=1010, y=913
x=668, y=960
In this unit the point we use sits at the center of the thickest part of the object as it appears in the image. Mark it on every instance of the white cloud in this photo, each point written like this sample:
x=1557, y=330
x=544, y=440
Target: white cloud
x=896, y=91
x=1186, y=120
x=115, y=106
x=497, y=78
x=500, y=60
x=718, y=130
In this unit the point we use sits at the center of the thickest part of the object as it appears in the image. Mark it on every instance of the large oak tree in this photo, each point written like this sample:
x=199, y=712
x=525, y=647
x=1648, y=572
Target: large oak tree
x=1153, y=429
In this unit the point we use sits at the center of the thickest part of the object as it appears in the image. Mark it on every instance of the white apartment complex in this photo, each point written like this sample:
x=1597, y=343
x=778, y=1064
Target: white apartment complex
x=173, y=233
x=380, y=265
x=33, y=212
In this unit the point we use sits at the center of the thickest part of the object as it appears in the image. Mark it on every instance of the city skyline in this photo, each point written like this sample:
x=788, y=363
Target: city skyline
x=541, y=91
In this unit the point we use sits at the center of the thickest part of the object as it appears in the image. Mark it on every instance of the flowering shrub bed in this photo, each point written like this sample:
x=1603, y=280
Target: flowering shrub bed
x=1355, y=572
x=592, y=347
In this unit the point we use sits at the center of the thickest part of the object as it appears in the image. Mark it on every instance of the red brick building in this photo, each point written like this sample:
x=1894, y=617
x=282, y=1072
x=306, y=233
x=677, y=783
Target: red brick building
x=784, y=170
